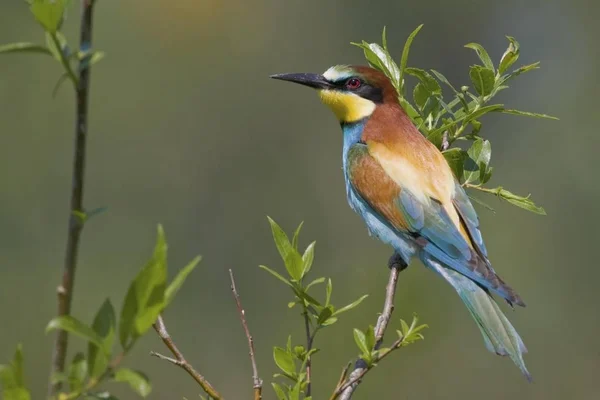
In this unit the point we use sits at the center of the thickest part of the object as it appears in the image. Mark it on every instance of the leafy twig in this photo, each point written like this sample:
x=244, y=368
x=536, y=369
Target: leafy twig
x=65, y=290
x=361, y=367
x=257, y=381
x=346, y=389
x=180, y=361
x=95, y=382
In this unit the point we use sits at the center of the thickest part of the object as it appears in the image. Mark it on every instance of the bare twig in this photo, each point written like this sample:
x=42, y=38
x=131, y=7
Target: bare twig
x=65, y=290
x=340, y=382
x=445, y=141
x=345, y=391
x=180, y=361
x=257, y=381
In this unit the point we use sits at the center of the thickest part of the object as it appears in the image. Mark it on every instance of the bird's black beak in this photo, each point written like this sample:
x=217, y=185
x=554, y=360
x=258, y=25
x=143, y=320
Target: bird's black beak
x=312, y=80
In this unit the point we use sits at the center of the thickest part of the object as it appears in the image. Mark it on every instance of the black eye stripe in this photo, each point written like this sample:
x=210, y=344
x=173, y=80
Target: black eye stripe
x=364, y=90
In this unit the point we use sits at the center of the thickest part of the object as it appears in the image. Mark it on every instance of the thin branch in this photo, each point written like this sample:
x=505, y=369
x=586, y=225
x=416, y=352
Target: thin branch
x=345, y=391
x=257, y=381
x=65, y=290
x=309, y=342
x=180, y=361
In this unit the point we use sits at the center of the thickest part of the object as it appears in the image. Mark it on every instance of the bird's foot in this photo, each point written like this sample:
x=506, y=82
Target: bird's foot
x=396, y=261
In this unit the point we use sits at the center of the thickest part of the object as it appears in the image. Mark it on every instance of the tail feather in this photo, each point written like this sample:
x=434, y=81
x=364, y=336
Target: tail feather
x=499, y=335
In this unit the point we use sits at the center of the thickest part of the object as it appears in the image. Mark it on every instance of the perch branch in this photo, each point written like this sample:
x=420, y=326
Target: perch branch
x=65, y=290
x=345, y=390
x=180, y=361
x=257, y=381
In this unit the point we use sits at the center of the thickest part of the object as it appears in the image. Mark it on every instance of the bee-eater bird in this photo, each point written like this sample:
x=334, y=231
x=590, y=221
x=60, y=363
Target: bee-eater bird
x=404, y=189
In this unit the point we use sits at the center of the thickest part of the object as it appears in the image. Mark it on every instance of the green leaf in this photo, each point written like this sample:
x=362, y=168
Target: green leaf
x=294, y=265
x=431, y=85
x=370, y=337
x=483, y=55
x=404, y=327
x=49, y=13
x=77, y=372
x=300, y=352
x=76, y=327
x=420, y=95
x=284, y=361
x=405, y=52
x=275, y=274
x=527, y=114
x=325, y=314
x=315, y=282
x=519, y=201
x=96, y=57
x=456, y=159
x=137, y=380
x=483, y=79
x=308, y=257
x=510, y=55
x=179, y=279
x=352, y=305
x=522, y=70
x=482, y=111
x=279, y=392
x=24, y=47
x=328, y=291
x=12, y=378
x=105, y=326
x=146, y=295
x=386, y=63
x=297, y=235
x=361, y=342
x=281, y=240
x=294, y=393
x=480, y=152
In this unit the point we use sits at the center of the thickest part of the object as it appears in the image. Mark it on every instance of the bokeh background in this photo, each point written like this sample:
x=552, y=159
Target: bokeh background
x=187, y=130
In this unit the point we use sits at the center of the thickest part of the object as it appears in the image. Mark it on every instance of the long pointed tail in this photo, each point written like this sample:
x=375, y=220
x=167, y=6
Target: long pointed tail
x=499, y=335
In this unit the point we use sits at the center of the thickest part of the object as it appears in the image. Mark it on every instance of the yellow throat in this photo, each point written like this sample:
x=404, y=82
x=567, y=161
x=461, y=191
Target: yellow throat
x=347, y=107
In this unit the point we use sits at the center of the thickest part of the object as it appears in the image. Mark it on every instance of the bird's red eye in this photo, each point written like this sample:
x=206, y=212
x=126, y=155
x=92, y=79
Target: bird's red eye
x=353, y=83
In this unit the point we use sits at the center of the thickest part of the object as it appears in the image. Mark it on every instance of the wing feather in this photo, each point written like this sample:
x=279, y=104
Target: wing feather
x=446, y=237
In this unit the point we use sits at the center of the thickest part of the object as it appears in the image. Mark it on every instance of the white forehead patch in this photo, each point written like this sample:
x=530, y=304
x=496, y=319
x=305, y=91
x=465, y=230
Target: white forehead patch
x=338, y=73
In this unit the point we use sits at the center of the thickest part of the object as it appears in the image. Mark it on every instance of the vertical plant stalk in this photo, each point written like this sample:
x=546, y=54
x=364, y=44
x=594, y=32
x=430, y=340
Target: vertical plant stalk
x=65, y=290
x=257, y=382
x=309, y=343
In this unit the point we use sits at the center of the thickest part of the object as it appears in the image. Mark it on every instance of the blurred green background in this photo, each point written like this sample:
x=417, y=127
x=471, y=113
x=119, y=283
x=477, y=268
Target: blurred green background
x=187, y=130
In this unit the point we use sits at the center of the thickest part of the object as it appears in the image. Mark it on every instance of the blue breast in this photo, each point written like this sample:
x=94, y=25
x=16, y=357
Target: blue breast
x=377, y=225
